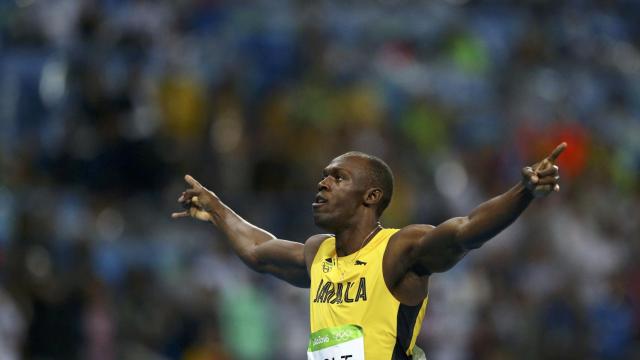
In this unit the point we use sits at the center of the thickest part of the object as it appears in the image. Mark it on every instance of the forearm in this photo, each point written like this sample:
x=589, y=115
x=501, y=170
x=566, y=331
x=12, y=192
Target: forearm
x=493, y=216
x=443, y=246
x=242, y=236
x=257, y=248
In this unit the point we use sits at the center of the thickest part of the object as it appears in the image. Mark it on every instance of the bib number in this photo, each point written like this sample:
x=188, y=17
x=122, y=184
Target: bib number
x=338, y=343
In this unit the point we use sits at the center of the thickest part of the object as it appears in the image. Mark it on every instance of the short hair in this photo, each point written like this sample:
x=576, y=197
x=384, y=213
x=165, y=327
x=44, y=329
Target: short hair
x=379, y=174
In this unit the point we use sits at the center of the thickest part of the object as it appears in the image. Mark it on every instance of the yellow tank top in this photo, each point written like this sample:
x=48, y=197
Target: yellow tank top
x=350, y=290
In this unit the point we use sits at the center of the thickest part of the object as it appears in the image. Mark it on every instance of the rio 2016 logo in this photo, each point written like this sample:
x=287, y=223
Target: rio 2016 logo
x=343, y=335
x=320, y=340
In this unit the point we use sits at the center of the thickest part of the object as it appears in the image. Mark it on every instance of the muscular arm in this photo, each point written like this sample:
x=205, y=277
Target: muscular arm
x=257, y=248
x=438, y=249
x=442, y=247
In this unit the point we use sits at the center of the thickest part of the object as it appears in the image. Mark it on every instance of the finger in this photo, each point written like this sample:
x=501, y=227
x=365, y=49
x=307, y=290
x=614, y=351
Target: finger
x=191, y=204
x=181, y=214
x=188, y=194
x=556, y=188
x=193, y=182
x=548, y=180
x=557, y=151
x=187, y=204
x=543, y=189
x=550, y=171
x=530, y=174
x=542, y=165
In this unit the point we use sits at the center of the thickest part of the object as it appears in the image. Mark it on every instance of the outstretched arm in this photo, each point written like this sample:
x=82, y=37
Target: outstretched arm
x=443, y=246
x=257, y=248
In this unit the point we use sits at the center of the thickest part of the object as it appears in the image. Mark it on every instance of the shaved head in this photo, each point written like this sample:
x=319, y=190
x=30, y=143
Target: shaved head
x=378, y=174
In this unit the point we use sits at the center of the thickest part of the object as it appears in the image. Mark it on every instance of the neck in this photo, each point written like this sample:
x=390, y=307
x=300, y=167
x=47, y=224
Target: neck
x=353, y=238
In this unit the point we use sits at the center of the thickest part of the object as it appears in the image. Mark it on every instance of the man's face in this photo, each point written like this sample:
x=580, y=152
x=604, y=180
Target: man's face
x=340, y=192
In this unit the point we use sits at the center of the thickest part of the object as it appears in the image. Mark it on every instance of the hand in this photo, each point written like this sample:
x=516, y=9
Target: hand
x=198, y=201
x=542, y=178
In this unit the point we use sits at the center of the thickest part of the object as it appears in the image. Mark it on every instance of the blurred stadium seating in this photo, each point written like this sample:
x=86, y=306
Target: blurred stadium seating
x=106, y=104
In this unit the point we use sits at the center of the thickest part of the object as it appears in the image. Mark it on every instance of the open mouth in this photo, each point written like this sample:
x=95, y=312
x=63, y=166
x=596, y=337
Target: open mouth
x=319, y=201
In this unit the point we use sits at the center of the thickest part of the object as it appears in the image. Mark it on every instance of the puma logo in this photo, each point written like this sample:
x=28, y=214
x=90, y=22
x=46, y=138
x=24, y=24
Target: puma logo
x=327, y=265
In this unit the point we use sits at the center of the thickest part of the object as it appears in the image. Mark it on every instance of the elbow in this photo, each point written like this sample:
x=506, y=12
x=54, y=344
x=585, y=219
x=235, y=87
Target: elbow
x=252, y=260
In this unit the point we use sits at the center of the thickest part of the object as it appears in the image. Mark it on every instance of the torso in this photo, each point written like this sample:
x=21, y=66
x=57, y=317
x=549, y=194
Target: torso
x=352, y=290
x=408, y=285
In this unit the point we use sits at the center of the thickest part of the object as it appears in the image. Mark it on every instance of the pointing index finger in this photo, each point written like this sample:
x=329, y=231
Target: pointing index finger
x=557, y=151
x=193, y=182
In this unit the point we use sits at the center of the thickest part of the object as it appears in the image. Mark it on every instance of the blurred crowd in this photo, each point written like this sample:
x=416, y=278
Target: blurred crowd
x=106, y=104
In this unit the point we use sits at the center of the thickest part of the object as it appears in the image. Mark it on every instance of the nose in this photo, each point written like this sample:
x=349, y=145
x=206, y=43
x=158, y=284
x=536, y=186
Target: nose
x=324, y=184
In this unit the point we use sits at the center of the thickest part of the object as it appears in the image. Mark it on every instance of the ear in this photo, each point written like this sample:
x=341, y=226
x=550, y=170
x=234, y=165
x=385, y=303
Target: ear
x=373, y=196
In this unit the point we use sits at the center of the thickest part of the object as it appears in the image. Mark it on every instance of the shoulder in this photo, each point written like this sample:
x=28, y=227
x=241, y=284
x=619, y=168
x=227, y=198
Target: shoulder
x=312, y=245
x=314, y=242
x=404, y=241
x=410, y=232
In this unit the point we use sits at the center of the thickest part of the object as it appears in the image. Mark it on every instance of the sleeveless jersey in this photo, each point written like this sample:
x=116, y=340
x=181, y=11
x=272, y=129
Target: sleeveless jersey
x=351, y=290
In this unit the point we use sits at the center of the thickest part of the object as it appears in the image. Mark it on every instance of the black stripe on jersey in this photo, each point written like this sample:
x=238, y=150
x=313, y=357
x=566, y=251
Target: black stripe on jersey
x=407, y=316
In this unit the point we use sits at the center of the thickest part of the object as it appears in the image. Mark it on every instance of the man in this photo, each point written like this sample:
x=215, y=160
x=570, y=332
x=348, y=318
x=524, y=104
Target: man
x=369, y=285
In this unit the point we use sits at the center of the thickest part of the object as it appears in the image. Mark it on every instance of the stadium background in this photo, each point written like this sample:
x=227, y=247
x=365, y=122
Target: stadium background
x=105, y=105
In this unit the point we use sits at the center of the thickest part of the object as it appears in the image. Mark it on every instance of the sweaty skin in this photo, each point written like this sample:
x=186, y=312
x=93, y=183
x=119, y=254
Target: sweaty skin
x=347, y=206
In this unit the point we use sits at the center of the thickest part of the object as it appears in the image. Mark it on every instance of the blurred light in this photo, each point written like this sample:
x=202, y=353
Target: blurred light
x=625, y=57
x=226, y=132
x=38, y=262
x=53, y=82
x=72, y=217
x=548, y=85
x=451, y=178
x=110, y=224
x=144, y=123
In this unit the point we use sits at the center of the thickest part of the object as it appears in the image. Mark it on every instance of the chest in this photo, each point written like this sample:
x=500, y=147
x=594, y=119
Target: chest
x=339, y=281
